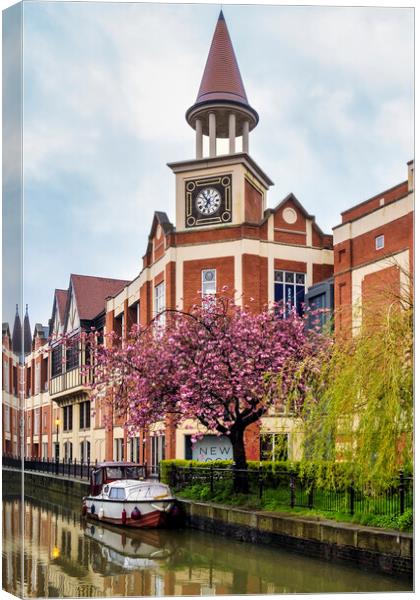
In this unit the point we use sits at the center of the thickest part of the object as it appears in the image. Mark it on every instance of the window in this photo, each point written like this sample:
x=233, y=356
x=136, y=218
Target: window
x=68, y=451
x=289, y=289
x=135, y=449
x=119, y=449
x=85, y=451
x=6, y=375
x=7, y=418
x=84, y=415
x=208, y=282
x=36, y=422
x=379, y=242
x=68, y=418
x=72, y=355
x=37, y=378
x=274, y=446
x=160, y=302
x=56, y=364
x=158, y=450
x=117, y=493
x=45, y=450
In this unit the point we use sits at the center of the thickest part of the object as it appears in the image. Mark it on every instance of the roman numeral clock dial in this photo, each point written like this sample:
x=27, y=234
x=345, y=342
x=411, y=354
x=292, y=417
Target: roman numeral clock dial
x=208, y=201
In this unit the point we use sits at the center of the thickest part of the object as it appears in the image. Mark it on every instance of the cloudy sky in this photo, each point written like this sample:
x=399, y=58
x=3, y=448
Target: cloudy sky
x=106, y=87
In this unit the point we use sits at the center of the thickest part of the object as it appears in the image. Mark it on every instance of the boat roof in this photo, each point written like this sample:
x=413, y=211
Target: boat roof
x=135, y=482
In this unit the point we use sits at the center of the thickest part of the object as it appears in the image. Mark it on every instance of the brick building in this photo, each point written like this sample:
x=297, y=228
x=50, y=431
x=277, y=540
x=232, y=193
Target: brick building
x=223, y=235
x=373, y=253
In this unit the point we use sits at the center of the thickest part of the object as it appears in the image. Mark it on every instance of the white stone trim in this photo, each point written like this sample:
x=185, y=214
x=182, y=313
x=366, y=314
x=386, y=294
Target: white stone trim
x=382, y=216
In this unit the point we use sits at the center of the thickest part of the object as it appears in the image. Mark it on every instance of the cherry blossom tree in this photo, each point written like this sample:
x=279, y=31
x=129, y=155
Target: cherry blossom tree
x=218, y=364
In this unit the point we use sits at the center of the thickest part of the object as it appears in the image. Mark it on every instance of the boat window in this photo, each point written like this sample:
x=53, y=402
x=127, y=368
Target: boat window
x=98, y=477
x=106, y=489
x=114, y=473
x=133, y=472
x=117, y=493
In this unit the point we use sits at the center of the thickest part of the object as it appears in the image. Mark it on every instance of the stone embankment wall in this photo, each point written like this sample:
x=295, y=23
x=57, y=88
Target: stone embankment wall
x=383, y=550
x=46, y=486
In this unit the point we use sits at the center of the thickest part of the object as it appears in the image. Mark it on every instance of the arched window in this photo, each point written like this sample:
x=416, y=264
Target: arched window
x=85, y=451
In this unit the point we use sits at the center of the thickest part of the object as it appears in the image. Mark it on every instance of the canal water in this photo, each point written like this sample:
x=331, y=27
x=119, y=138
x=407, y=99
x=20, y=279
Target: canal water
x=64, y=556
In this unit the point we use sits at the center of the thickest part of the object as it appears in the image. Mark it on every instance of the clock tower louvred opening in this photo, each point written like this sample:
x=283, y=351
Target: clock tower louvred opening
x=221, y=109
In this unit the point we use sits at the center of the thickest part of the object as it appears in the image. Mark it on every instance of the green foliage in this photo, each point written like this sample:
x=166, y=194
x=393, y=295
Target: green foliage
x=279, y=501
x=326, y=474
x=358, y=407
x=402, y=522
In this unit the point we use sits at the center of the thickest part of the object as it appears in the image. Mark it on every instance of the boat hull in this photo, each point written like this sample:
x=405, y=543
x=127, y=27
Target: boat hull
x=152, y=514
x=153, y=519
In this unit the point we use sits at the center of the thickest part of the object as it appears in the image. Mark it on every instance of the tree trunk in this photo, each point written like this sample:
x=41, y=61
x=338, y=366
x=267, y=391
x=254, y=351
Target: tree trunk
x=240, y=480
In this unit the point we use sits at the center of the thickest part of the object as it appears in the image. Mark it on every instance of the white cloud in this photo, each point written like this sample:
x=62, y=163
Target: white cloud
x=106, y=92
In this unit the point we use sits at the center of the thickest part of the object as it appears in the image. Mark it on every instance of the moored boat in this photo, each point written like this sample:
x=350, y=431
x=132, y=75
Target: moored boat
x=118, y=496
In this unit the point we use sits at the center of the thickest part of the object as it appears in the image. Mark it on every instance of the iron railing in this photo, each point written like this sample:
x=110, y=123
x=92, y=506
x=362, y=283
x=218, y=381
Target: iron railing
x=286, y=489
x=66, y=468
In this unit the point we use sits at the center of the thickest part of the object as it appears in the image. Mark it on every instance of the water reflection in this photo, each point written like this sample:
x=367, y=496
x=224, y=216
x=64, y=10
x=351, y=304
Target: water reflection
x=66, y=557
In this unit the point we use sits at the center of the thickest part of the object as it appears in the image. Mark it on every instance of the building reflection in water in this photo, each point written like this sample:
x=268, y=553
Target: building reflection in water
x=64, y=556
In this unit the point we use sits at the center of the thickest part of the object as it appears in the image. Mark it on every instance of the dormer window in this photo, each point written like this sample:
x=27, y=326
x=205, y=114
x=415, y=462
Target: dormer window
x=379, y=242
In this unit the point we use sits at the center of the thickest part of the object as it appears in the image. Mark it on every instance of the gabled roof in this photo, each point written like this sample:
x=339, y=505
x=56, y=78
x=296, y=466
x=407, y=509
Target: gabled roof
x=61, y=299
x=291, y=197
x=91, y=292
x=40, y=331
x=221, y=78
x=159, y=218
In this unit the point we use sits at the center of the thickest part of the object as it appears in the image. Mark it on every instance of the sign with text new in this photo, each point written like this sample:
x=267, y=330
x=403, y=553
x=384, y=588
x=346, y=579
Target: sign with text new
x=212, y=447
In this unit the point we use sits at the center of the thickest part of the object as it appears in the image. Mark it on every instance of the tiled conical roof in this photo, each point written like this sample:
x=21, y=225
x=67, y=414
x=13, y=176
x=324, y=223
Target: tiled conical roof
x=27, y=336
x=17, y=334
x=221, y=78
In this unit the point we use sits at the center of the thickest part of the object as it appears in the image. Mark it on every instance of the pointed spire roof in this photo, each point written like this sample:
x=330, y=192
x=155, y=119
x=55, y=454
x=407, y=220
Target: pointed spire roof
x=221, y=87
x=17, y=333
x=221, y=78
x=27, y=336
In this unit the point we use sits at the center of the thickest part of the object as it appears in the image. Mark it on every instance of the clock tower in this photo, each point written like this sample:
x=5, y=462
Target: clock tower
x=223, y=188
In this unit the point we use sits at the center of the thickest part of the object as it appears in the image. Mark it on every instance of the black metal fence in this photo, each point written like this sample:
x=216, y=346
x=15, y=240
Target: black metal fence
x=288, y=490
x=63, y=468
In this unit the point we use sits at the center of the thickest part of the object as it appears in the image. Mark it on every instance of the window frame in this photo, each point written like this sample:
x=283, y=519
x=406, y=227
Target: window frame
x=68, y=417
x=84, y=415
x=378, y=240
x=282, y=283
x=204, y=283
x=159, y=303
x=57, y=360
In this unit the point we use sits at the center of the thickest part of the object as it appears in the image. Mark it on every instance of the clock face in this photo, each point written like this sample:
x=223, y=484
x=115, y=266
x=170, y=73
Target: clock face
x=208, y=201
